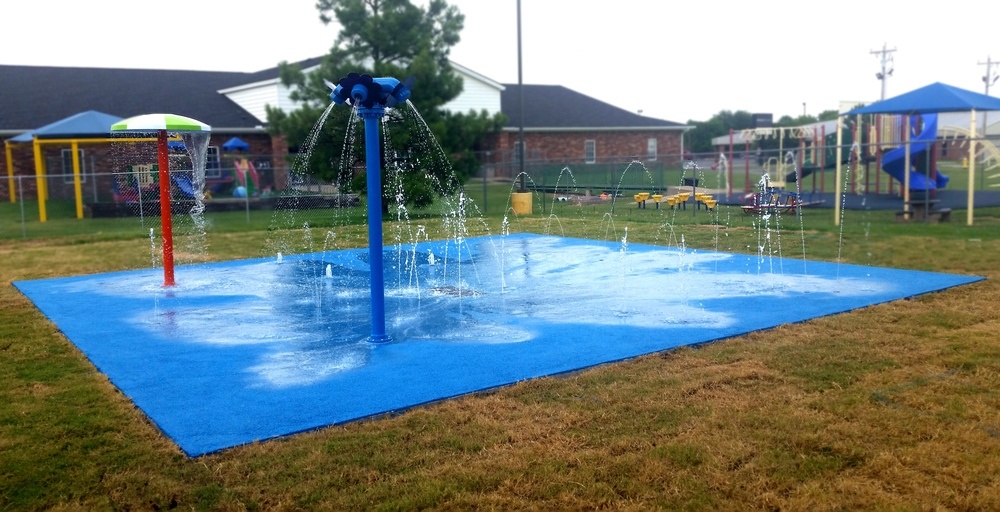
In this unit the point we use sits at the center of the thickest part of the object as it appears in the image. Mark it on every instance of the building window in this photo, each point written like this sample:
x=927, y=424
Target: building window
x=517, y=152
x=651, y=148
x=67, y=166
x=589, y=151
x=213, y=166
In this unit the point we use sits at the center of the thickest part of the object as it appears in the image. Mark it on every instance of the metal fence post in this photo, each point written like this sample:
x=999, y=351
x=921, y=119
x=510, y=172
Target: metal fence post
x=20, y=193
x=142, y=209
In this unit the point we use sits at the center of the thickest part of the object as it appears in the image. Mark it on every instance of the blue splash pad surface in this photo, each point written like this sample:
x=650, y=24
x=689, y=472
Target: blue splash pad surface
x=250, y=350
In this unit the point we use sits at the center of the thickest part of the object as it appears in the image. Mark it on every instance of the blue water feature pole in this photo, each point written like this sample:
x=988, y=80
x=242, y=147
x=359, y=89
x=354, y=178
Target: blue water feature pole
x=371, y=96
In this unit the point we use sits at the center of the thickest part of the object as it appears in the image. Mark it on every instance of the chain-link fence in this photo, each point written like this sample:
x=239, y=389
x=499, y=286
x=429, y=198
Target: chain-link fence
x=127, y=203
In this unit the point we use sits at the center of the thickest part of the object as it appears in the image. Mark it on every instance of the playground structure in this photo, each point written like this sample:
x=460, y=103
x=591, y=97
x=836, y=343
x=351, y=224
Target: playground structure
x=63, y=133
x=247, y=179
x=811, y=150
x=906, y=148
x=808, y=149
x=935, y=98
x=140, y=184
x=82, y=170
x=870, y=152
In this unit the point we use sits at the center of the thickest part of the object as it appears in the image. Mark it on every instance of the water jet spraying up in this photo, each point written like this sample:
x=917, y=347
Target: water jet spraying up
x=160, y=124
x=370, y=97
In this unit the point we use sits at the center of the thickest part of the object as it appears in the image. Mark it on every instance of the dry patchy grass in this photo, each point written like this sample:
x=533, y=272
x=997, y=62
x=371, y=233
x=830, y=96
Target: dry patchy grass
x=893, y=406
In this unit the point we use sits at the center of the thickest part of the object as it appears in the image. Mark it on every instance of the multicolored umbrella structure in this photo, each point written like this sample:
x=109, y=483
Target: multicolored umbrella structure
x=161, y=124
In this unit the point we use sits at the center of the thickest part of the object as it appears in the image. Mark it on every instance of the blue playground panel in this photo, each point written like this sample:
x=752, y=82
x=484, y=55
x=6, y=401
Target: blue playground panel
x=249, y=350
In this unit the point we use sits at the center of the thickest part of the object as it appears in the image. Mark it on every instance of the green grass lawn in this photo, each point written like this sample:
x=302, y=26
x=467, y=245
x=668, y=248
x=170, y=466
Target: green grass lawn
x=893, y=407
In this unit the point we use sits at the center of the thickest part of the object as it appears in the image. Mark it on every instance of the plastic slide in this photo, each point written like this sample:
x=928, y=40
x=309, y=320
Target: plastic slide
x=893, y=161
x=246, y=176
x=184, y=184
x=806, y=171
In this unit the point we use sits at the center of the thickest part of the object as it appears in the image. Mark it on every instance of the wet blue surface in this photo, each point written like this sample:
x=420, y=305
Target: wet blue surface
x=250, y=350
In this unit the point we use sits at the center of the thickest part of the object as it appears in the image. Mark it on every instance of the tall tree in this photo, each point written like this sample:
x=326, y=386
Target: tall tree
x=828, y=115
x=387, y=38
x=700, y=137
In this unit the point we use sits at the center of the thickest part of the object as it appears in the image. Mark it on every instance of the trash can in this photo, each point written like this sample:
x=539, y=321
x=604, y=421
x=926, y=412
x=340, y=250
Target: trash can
x=520, y=202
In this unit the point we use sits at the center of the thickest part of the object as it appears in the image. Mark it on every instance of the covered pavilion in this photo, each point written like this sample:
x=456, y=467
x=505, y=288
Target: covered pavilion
x=931, y=99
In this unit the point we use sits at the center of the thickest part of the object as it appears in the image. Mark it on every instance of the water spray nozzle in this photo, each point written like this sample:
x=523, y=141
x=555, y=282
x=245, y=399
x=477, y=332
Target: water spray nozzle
x=359, y=93
x=364, y=91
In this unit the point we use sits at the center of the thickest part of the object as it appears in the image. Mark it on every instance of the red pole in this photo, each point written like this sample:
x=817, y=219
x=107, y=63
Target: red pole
x=746, y=151
x=729, y=192
x=166, y=224
x=817, y=153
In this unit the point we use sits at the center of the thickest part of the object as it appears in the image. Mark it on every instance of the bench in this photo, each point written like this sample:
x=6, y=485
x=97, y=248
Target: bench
x=924, y=209
x=932, y=216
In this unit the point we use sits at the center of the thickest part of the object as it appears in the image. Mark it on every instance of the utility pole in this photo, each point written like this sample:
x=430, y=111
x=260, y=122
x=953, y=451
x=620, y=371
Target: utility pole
x=991, y=76
x=989, y=79
x=886, y=57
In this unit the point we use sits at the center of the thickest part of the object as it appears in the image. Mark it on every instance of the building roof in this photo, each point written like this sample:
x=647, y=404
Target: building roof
x=33, y=96
x=556, y=108
x=87, y=124
x=39, y=95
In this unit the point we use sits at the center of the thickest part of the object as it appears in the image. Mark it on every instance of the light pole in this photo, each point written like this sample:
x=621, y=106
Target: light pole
x=520, y=104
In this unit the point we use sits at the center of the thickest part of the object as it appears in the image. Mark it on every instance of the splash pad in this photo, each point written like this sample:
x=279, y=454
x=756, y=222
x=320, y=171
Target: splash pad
x=250, y=350
x=244, y=351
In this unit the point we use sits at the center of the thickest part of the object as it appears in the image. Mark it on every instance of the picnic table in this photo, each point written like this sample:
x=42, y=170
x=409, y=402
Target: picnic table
x=923, y=209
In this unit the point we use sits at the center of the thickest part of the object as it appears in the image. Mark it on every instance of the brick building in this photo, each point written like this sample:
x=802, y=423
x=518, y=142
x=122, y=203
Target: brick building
x=566, y=127
x=562, y=126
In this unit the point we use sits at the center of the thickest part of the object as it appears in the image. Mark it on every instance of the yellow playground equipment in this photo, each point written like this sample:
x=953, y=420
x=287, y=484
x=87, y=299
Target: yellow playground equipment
x=679, y=199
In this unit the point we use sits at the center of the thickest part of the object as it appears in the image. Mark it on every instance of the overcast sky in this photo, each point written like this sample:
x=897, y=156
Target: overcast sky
x=672, y=60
